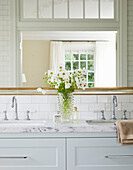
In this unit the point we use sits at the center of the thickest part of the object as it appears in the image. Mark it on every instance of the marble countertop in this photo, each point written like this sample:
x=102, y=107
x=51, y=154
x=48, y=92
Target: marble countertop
x=50, y=127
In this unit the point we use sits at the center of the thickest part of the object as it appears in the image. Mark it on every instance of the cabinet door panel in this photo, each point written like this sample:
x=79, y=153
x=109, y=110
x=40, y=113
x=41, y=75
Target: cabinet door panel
x=46, y=154
x=98, y=154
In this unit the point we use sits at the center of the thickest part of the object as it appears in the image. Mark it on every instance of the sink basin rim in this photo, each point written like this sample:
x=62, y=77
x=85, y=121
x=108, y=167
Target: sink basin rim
x=100, y=121
x=18, y=122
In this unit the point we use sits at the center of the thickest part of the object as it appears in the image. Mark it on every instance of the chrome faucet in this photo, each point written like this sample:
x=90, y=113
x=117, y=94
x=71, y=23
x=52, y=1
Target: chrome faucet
x=115, y=104
x=14, y=100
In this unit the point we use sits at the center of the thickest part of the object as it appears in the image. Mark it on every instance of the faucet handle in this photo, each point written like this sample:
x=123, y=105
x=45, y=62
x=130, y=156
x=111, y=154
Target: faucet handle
x=5, y=112
x=28, y=114
x=124, y=115
x=102, y=115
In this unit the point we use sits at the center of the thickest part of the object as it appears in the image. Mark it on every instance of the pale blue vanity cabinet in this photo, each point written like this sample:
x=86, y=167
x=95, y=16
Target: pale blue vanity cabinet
x=98, y=154
x=32, y=154
x=64, y=153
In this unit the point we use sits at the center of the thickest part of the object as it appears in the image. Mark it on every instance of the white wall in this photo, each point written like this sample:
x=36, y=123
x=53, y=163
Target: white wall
x=35, y=62
x=46, y=105
x=130, y=43
x=4, y=42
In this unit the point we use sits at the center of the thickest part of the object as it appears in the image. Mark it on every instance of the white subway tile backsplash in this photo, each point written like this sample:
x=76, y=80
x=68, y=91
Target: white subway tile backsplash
x=2, y=107
x=4, y=2
x=5, y=42
x=131, y=98
x=3, y=13
x=127, y=106
x=51, y=114
x=52, y=99
x=23, y=99
x=82, y=107
x=109, y=106
x=21, y=115
x=39, y=116
x=118, y=114
x=130, y=41
x=6, y=7
x=96, y=106
x=25, y=107
x=5, y=99
x=39, y=99
x=48, y=107
x=123, y=98
x=88, y=98
x=88, y=116
x=104, y=98
x=76, y=99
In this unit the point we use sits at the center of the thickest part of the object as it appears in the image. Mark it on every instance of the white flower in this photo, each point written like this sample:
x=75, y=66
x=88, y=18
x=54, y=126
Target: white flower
x=53, y=79
x=84, y=86
x=49, y=81
x=43, y=91
x=84, y=71
x=83, y=80
x=76, y=79
x=67, y=77
x=61, y=67
x=79, y=71
x=80, y=85
x=50, y=73
x=63, y=74
x=57, y=86
x=66, y=81
x=67, y=84
x=39, y=90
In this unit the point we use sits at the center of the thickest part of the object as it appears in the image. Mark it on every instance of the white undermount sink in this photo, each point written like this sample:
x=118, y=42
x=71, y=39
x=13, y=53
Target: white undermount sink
x=22, y=122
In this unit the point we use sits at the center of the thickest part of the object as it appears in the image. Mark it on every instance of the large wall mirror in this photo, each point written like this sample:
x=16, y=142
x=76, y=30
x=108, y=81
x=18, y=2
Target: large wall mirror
x=43, y=34
x=46, y=50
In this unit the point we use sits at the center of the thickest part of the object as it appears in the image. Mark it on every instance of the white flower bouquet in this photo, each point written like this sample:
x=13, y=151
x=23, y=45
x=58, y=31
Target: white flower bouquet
x=65, y=83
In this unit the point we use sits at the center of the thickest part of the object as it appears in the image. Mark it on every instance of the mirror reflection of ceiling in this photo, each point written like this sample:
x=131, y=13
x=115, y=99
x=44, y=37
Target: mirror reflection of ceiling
x=96, y=51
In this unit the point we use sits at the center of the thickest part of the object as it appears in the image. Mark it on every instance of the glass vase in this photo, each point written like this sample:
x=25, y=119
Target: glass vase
x=65, y=103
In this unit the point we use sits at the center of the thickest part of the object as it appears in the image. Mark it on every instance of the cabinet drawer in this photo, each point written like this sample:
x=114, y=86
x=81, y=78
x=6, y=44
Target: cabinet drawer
x=98, y=154
x=28, y=154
